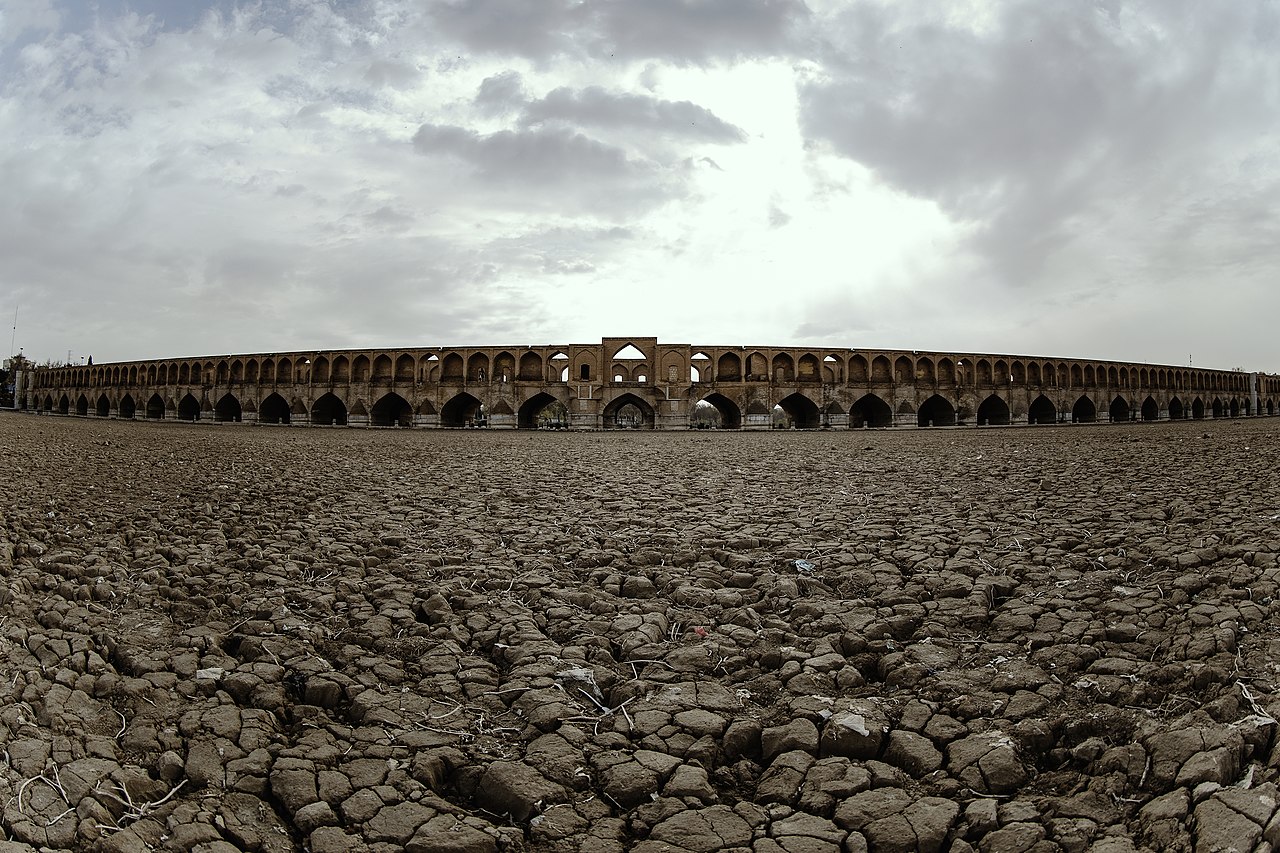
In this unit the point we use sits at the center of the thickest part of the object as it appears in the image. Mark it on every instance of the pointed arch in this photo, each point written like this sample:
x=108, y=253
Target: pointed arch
x=807, y=369
x=320, y=371
x=730, y=414
x=1033, y=374
x=405, y=368
x=1042, y=411
x=128, y=408
x=155, y=408
x=784, y=369
x=936, y=411
x=1176, y=412
x=924, y=371
x=188, y=408
x=504, y=370
x=904, y=372
x=1019, y=371
x=1084, y=411
x=1119, y=409
x=329, y=410
x=531, y=412
x=391, y=410
x=530, y=369
x=82, y=405
x=629, y=351
x=478, y=367
x=228, y=409
x=381, y=368
x=1001, y=375
x=858, y=371
x=983, y=369
x=993, y=411
x=462, y=410
x=1219, y=410
x=729, y=368
x=756, y=367
x=1150, y=409
x=881, y=370
x=273, y=410
x=870, y=411
x=360, y=368
x=946, y=372
x=1197, y=409
x=628, y=412
x=104, y=406
x=802, y=411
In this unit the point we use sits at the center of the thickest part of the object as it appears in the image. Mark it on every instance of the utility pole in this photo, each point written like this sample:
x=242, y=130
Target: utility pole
x=13, y=339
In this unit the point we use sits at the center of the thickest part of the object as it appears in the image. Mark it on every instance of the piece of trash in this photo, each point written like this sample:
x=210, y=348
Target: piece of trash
x=700, y=631
x=213, y=673
x=804, y=565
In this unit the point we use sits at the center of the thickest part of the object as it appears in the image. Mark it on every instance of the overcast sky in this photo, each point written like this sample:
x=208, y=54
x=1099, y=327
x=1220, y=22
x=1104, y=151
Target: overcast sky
x=1094, y=180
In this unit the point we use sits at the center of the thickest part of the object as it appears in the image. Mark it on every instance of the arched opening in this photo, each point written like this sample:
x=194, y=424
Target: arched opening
x=784, y=369
x=628, y=412
x=858, y=369
x=1218, y=409
x=1176, y=411
x=64, y=405
x=128, y=408
x=1235, y=408
x=104, y=406
x=870, y=411
x=284, y=371
x=405, y=367
x=542, y=411
x=560, y=367
x=937, y=412
x=1084, y=411
x=993, y=411
x=715, y=411
x=807, y=369
x=478, y=368
x=729, y=368
x=382, y=368
x=504, y=370
x=1019, y=373
x=903, y=371
x=391, y=410
x=188, y=408
x=1042, y=411
x=530, y=368
x=48, y=403
x=946, y=372
x=1197, y=409
x=880, y=370
x=82, y=405
x=1033, y=375
x=984, y=372
x=360, y=369
x=1002, y=375
x=228, y=409
x=1271, y=408
x=341, y=370
x=800, y=412
x=320, y=370
x=1119, y=409
x=451, y=369
x=273, y=410
x=924, y=371
x=463, y=410
x=1150, y=409
x=328, y=410
x=155, y=408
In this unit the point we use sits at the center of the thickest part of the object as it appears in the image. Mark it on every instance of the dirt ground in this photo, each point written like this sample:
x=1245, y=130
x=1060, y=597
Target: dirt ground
x=221, y=638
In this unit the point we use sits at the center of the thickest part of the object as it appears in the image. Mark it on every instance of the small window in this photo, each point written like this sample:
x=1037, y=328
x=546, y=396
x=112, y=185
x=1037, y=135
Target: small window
x=584, y=371
x=642, y=378
x=617, y=377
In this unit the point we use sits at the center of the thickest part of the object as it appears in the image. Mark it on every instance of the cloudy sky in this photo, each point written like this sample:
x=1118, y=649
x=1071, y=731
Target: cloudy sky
x=1072, y=179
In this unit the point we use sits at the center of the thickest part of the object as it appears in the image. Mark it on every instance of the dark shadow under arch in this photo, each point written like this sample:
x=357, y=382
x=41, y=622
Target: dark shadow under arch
x=870, y=411
x=462, y=410
x=628, y=412
x=1042, y=411
x=328, y=410
x=391, y=410
x=274, y=410
x=530, y=414
x=936, y=411
x=730, y=414
x=802, y=411
x=228, y=409
x=993, y=411
x=188, y=408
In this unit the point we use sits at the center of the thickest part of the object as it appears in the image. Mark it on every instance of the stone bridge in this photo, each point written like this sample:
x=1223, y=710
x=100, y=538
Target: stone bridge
x=642, y=383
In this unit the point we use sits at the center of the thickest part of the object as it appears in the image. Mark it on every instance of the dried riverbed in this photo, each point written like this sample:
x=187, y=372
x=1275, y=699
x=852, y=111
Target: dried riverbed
x=272, y=639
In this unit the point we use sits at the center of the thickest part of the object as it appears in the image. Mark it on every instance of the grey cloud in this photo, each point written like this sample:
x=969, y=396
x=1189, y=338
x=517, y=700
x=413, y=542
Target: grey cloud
x=1038, y=129
x=682, y=31
x=594, y=106
x=501, y=94
x=536, y=156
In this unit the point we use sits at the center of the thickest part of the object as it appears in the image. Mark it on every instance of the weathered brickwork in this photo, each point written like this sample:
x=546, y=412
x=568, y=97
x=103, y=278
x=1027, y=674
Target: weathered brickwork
x=640, y=382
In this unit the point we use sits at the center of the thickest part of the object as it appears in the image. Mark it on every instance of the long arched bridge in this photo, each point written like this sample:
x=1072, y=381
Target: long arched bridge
x=640, y=382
